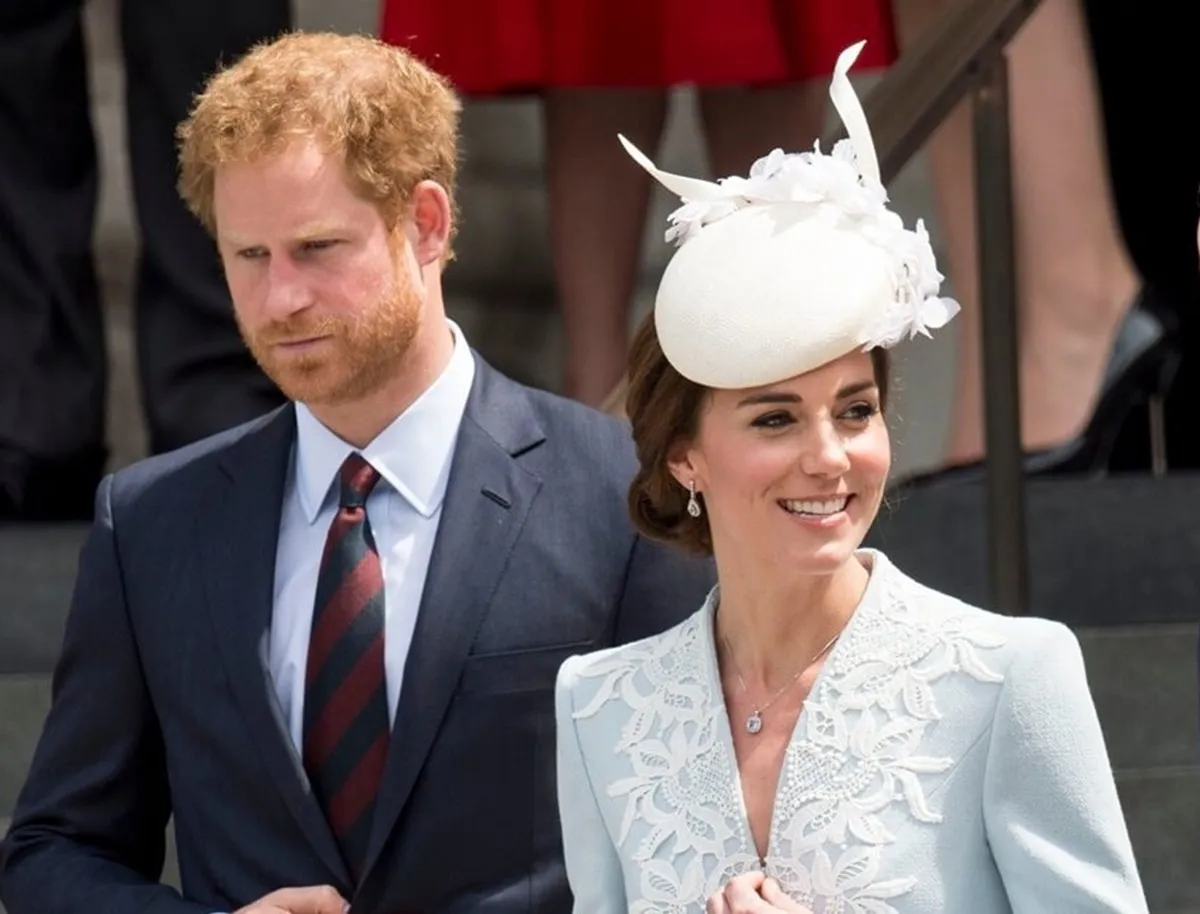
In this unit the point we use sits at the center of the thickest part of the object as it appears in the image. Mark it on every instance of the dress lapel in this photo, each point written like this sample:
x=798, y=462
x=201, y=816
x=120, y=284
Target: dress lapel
x=238, y=529
x=487, y=502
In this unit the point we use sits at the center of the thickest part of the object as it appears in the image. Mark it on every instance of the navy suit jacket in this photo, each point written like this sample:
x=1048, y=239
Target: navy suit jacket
x=163, y=704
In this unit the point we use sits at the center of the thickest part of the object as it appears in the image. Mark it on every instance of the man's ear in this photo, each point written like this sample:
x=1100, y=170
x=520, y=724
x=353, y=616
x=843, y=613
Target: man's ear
x=431, y=221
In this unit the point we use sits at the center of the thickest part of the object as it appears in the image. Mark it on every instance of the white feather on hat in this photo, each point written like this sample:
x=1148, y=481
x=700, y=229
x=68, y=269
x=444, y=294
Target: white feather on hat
x=793, y=266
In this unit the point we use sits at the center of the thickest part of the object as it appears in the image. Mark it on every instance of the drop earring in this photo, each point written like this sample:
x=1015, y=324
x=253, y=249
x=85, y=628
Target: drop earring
x=693, y=504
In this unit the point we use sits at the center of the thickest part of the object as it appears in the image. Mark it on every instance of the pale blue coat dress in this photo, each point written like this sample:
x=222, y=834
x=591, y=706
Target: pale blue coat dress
x=947, y=761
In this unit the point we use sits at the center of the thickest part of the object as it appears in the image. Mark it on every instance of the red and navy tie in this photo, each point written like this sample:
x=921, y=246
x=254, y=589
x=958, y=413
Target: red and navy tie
x=346, y=728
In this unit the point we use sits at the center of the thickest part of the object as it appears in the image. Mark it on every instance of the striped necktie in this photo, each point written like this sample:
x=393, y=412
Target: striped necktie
x=346, y=727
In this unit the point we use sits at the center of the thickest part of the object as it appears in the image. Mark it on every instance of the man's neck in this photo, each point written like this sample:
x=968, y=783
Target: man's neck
x=361, y=421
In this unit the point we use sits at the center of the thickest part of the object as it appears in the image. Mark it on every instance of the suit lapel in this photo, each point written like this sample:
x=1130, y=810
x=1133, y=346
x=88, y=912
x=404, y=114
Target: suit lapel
x=487, y=502
x=239, y=532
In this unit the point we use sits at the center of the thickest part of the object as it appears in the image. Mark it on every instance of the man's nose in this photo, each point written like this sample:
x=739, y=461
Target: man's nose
x=287, y=288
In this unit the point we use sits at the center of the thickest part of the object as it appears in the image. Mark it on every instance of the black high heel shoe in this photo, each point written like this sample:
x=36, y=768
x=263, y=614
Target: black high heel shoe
x=1141, y=368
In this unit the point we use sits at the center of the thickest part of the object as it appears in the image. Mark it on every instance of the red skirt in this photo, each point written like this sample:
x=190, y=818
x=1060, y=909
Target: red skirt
x=489, y=47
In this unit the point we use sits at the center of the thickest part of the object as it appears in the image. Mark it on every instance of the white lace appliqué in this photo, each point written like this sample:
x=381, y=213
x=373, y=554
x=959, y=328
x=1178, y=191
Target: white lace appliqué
x=855, y=756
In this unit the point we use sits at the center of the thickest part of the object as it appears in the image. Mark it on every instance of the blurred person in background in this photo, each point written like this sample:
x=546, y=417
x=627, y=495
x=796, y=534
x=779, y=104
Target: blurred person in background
x=1145, y=64
x=1096, y=340
x=606, y=66
x=196, y=378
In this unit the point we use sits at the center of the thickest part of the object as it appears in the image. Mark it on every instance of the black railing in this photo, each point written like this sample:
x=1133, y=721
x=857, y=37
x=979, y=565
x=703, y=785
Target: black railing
x=963, y=55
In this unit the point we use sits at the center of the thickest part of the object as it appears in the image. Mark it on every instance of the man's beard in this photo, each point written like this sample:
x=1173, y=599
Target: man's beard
x=364, y=351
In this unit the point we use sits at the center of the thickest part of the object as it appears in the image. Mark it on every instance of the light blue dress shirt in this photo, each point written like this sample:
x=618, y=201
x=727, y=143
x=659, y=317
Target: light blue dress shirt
x=413, y=456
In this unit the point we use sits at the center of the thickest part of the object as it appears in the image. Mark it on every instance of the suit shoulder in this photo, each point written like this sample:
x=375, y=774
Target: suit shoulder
x=130, y=481
x=581, y=427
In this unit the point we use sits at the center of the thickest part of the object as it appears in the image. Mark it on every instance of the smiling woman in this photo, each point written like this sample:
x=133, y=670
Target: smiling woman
x=894, y=749
x=666, y=408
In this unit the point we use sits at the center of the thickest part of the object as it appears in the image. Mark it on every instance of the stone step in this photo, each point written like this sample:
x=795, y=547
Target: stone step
x=24, y=702
x=1162, y=810
x=1114, y=551
x=37, y=566
x=1143, y=680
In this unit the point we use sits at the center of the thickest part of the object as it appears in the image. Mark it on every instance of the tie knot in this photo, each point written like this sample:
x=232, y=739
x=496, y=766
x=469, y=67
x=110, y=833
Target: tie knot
x=358, y=478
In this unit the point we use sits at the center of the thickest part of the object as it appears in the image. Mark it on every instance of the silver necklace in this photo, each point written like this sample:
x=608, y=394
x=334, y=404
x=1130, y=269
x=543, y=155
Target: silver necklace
x=754, y=723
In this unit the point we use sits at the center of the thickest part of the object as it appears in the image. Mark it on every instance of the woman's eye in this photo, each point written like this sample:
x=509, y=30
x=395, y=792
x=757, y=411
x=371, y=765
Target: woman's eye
x=772, y=420
x=861, y=412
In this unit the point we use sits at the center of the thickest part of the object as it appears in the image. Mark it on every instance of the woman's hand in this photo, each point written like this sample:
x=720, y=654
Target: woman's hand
x=752, y=893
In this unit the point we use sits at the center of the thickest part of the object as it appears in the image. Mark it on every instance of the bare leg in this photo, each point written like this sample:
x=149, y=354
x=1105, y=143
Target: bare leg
x=1075, y=277
x=742, y=124
x=598, y=200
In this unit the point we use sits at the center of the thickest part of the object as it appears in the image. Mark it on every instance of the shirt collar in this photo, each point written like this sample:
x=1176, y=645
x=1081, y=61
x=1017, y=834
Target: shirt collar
x=412, y=454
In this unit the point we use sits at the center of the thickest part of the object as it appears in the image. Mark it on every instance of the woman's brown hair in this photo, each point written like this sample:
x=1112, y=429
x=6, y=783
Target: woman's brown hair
x=663, y=408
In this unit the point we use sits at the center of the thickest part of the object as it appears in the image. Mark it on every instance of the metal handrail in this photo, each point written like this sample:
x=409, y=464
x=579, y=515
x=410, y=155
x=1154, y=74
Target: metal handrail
x=954, y=56
x=962, y=54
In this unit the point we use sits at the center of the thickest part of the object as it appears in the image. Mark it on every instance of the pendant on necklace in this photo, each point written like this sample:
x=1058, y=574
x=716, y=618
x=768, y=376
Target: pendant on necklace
x=754, y=723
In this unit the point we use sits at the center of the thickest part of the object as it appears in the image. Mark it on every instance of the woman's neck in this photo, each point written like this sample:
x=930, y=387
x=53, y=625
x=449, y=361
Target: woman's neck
x=772, y=624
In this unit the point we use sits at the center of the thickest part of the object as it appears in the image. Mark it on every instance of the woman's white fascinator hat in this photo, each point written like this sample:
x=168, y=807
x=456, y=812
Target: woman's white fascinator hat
x=794, y=266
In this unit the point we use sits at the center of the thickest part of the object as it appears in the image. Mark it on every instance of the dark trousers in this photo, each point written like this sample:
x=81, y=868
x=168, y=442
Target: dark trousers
x=1146, y=64
x=195, y=375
